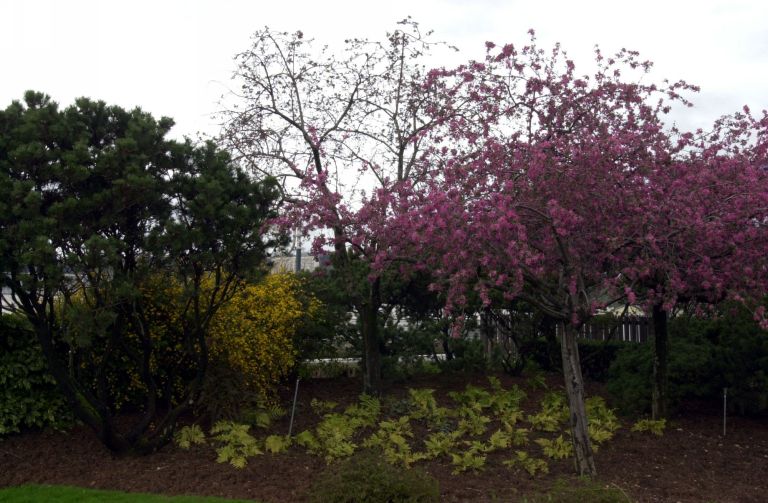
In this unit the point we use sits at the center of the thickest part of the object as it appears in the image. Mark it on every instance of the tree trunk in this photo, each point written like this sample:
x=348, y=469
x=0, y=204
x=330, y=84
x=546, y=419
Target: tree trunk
x=574, y=388
x=369, y=313
x=445, y=340
x=96, y=414
x=487, y=335
x=85, y=407
x=660, y=363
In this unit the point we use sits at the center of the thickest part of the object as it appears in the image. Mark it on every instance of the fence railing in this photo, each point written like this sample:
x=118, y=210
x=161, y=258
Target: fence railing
x=630, y=329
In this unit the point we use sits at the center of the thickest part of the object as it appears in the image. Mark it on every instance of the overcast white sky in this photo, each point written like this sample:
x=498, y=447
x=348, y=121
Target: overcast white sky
x=174, y=58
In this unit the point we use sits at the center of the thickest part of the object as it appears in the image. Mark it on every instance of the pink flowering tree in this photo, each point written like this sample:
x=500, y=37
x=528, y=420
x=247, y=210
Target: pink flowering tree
x=538, y=201
x=707, y=239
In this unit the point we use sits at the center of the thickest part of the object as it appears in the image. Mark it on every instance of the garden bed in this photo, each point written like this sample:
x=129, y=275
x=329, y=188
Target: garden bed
x=692, y=461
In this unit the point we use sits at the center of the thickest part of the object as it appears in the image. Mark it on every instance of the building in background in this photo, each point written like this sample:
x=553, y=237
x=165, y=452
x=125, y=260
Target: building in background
x=298, y=262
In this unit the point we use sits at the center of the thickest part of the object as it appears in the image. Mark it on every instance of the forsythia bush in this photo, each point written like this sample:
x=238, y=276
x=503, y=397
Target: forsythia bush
x=169, y=363
x=254, y=332
x=250, y=338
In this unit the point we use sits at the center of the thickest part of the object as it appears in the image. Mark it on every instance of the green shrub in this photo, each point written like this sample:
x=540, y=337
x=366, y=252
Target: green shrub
x=531, y=465
x=334, y=435
x=542, y=353
x=629, y=380
x=468, y=356
x=392, y=440
x=188, y=436
x=596, y=356
x=330, y=333
x=603, y=422
x=224, y=394
x=93, y=357
x=558, y=448
x=405, y=368
x=366, y=478
x=424, y=406
x=405, y=350
x=472, y=458
x=654, y=426
x=690, y=359
x=29, y=397
x=740, y=360
x=236, y=443
x=705, y=356
x=250, y=342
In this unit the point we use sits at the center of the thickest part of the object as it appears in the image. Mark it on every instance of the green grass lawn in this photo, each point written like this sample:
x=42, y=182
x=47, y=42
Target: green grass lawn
x=63, y=494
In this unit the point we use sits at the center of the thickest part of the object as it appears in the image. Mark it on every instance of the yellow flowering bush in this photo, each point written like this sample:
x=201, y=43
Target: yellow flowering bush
x=169, y=363
x=250, y=341
x=254, y=332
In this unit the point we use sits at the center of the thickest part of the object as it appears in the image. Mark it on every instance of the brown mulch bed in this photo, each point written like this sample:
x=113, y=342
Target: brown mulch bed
x=692, y=462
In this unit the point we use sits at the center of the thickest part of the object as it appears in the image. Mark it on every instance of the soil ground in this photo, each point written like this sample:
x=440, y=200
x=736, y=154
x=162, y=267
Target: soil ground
x=692, y=462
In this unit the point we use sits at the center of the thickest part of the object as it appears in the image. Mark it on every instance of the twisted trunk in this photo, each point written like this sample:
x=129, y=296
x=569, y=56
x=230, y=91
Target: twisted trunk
x=574, y=389
x=94, y=411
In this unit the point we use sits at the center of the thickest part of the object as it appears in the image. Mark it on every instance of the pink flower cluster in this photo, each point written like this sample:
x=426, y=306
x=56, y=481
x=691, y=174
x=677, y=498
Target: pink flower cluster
x=566, y=191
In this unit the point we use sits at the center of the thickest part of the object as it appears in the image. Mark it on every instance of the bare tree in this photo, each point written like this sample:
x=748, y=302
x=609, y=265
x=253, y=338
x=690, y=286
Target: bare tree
x=340, y=132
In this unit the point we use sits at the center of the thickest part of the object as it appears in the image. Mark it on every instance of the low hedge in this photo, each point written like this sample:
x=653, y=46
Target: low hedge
x=29, y=397
x=705, y=356
x=366, y=478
